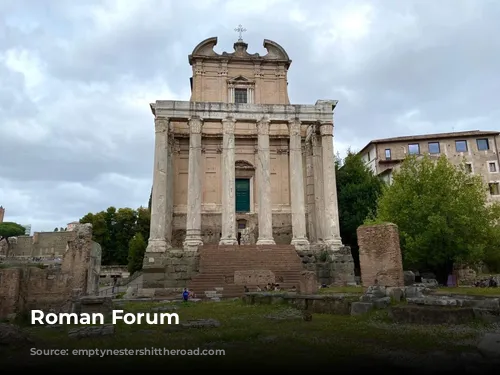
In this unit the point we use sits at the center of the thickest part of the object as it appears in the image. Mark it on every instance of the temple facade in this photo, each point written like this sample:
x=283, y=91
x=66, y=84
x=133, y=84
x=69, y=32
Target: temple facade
x=238, y=164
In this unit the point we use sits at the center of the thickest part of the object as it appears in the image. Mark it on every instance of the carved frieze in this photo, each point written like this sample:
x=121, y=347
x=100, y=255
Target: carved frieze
x=161, y=124
x=195, y=125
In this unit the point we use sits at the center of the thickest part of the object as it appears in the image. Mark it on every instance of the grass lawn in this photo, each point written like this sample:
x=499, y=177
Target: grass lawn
x=472, y=291
x=249, y=335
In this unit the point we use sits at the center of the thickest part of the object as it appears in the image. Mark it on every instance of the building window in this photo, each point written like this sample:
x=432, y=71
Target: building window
x=494, y=188
x=387, y=154
x=241, y=96
x=461, y=146
x=468, y=167
x=414, y=149
x=492, y=166
x=434, y=148
x=483, y=144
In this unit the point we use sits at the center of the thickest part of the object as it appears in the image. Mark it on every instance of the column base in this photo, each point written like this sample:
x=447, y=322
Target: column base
x=192, y=243
x=228, y=242
x=265, y=241
x=301, y=242
x=157, y=246
x=333, y=243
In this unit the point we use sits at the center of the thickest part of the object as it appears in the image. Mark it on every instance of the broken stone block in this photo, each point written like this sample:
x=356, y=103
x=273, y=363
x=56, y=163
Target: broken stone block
x=409, y=277
x=382, y=303
x=360, y=308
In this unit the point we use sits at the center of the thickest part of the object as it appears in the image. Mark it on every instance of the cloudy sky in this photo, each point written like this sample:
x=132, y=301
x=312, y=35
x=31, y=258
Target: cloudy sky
x=76, y=78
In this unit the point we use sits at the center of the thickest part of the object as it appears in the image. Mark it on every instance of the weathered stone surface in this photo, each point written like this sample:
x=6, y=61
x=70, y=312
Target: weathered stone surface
x=380, y=255
x=228, y=184
x=194, y=193
x=382, y=303
x=396, y=294
x=12, y=335
x=297, y=186
x=164, y=308
x=254, y=277
x=489, y=346
x=264, y=193
x=360, y=308
x=92, y=331
x=409, y=277
x=308, y=283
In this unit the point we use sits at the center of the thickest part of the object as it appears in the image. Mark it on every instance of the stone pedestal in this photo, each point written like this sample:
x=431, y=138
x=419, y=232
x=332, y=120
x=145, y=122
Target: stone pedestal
x=264, y=181
x=193, y=219
x=297, y=186
x=331, y=234
x=228, y=184
x=308, y=283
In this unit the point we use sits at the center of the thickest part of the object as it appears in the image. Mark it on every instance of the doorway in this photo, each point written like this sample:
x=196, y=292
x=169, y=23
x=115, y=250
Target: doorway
x=242, y=195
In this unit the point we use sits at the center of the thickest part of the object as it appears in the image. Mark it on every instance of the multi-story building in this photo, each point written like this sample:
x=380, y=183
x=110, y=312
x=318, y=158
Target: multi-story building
x=479, y=149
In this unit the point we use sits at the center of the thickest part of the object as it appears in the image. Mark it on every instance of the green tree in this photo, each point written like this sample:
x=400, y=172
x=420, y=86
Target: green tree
x=441, y=213
x=9, y=229
x=357, y=190
x=136, y=249
x=113, y=229
x=143, y=222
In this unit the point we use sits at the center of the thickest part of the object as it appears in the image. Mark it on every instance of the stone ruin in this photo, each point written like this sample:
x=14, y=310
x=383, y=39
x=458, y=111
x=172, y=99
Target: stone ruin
x=380, y=257
x=24, y=287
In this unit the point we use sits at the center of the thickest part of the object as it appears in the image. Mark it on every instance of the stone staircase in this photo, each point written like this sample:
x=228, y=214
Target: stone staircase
x=218, y=265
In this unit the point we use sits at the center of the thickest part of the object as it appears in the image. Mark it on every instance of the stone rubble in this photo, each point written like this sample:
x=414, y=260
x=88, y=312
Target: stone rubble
x=11, y=335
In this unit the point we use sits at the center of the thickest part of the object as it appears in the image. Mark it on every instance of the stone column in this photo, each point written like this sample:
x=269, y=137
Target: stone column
x=297, y=185
x=193, y=219
x=311, y=214
x=159, y=204
x=319, y=205
x=264, y=189
x=228, y=184
x=331, y=234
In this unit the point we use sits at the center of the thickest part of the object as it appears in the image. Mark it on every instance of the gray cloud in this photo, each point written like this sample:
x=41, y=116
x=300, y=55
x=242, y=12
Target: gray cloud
x=76, y=78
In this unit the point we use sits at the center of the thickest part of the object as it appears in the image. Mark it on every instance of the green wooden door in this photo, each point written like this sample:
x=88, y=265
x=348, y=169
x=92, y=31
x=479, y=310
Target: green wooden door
x=242, y=195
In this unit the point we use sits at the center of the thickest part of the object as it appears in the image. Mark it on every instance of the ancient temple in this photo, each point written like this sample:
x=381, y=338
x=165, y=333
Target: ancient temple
x=238, y=165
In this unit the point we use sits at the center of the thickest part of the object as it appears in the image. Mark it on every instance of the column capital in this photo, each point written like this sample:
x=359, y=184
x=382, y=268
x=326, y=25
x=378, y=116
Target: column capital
x=326, y=128
x=263, y=126
x=195, y=125
x=161, y=124
x=294, y=127
x=228, y=125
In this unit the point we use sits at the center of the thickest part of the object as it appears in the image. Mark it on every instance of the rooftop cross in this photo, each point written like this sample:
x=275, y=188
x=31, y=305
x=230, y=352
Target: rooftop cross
x=240, y=30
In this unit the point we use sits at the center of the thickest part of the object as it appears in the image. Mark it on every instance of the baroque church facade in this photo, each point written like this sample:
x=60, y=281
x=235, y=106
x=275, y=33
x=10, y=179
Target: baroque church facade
x=238, y=164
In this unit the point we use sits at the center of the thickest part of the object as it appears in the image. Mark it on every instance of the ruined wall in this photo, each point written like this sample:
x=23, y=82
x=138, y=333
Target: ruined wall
x=41, y=244
x=29, y=287
x=380, y=255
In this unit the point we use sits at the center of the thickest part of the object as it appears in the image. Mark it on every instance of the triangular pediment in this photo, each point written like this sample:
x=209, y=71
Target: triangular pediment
x=240, y=79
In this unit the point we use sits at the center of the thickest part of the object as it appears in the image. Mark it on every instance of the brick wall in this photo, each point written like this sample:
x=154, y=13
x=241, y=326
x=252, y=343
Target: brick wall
x=380, y=255
x=10, y=284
